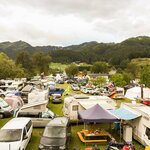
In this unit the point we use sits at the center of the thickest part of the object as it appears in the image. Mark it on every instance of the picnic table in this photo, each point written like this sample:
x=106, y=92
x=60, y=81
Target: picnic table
x=98, y=136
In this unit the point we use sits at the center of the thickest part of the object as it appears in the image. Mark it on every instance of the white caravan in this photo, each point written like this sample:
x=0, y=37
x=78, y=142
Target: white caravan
x=73, y=104
x=140, y=125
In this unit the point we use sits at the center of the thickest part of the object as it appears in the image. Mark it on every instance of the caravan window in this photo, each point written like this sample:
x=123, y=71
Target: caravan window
x=148, y=133
x=75, y=107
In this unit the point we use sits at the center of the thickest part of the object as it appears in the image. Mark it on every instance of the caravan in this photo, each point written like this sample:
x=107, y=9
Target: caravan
x=141, y=124
x=73, y=104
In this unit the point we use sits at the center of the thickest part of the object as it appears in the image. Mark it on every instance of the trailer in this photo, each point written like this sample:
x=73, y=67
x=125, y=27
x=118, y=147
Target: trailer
x=79, y=102
x=141, y=124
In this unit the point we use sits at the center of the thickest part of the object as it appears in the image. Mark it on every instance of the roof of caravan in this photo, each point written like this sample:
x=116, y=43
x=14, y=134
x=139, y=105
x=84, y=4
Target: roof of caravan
x=90, y=104
x=140, y=108
x=89, y=101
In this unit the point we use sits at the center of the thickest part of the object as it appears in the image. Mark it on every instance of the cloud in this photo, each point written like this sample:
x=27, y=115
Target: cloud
x=64, y=22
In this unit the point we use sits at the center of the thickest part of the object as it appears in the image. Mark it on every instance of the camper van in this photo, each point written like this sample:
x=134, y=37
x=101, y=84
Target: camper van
x=79, y=102
x=141, y=124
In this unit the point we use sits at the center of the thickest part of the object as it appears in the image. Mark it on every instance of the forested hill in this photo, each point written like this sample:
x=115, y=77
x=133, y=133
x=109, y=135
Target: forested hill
x=115, y=53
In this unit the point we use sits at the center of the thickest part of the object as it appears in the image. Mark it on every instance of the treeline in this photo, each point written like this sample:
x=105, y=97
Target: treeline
x=116, y=54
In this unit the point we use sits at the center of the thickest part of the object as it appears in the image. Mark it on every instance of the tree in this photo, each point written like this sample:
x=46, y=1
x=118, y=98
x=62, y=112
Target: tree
x=127, y=77
x=133, y=69
x=24, y=59
x=100, y=81
x=145, y=76
x=100, y=67
x=41, y=61
x=8, y=68
x=118, y=79
x=71, y=70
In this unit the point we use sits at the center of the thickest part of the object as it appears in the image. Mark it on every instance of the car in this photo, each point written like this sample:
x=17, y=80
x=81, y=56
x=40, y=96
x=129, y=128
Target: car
x=4, y=114
x=2, y=93
x=75, y=87
x=39, y=119
x=16, y=134
x=87, y=90
x=57, y=134
x=4, y=106
x=56, y=98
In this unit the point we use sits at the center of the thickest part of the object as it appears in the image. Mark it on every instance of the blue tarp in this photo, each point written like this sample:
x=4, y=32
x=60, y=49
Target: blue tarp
x=124, y=114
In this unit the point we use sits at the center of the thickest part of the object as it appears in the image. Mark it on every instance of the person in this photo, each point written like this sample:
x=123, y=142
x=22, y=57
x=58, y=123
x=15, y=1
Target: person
x=111, y=143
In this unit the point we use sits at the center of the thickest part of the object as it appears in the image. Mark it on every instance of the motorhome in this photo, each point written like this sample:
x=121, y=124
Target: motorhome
x=79, y=102
x=141, y=124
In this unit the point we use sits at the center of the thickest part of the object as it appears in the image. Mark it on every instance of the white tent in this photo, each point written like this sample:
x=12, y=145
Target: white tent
x=135, y=93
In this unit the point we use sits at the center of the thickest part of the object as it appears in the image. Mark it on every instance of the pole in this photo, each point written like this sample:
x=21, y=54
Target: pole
x=120, y=130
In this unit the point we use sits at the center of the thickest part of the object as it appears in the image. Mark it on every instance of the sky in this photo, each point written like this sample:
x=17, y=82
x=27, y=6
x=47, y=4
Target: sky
x=70, y=22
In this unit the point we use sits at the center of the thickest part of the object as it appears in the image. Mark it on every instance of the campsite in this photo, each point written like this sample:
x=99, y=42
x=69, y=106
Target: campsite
x=95, y=122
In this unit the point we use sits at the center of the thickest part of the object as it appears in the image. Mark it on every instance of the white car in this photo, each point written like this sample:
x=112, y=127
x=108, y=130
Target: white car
x=16, y=134
x=75, y=87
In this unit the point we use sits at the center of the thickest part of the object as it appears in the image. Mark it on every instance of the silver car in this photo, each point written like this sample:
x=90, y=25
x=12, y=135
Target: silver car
x=39, y=119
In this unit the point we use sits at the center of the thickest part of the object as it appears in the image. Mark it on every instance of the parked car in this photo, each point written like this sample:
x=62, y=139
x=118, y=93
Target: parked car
x=2, y=93
x=4, y=106
x=56, y=135
x=88, y=90
x=39, y=119
x=75, y=87
x=56, y=91
x=4, y=114
x=16, y=134
x=56, y=98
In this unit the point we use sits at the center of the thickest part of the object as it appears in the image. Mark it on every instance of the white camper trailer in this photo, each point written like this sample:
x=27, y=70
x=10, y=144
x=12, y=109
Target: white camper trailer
x=73, y=104
x=140, y=125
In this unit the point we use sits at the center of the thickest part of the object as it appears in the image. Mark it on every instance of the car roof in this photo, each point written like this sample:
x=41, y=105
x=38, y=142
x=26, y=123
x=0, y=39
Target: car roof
x=58, y=121
x=16, y=123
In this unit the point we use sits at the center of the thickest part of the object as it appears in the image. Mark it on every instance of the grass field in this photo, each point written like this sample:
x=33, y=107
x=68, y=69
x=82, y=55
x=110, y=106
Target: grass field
x=75, y=142
x=59, y=66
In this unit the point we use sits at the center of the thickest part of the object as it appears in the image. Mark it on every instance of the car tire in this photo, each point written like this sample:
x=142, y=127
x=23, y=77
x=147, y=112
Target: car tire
x=1, y=116
x=2, y=95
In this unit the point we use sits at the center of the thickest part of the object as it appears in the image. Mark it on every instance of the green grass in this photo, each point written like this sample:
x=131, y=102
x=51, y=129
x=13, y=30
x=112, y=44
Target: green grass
x=59, y=66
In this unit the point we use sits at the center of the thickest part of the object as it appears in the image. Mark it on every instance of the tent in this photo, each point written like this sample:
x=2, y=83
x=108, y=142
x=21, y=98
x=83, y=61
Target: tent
x=135, y=93
x=97, y=114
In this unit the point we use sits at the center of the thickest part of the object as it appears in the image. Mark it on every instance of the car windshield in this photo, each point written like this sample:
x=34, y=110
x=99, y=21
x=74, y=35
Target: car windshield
x=54, y=132
x=48, y=114
x=10, y=135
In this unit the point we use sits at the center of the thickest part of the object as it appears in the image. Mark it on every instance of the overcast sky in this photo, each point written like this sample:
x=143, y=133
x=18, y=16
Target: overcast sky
x=67, y=22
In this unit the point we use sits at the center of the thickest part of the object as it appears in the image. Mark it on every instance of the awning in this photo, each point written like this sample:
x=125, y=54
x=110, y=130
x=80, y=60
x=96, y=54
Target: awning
x=90, y=104
x=124, y=114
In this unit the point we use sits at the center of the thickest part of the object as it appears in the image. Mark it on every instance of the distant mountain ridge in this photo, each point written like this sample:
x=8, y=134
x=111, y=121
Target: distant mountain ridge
x=115, y=53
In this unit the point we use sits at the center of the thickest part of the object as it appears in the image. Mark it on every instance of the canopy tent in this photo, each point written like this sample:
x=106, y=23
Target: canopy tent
x=124, y=114
x=97, y=114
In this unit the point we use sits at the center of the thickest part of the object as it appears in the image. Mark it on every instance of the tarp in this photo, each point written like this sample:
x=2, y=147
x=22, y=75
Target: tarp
x=96, y=114
x=124, y=114
x=135, y=93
